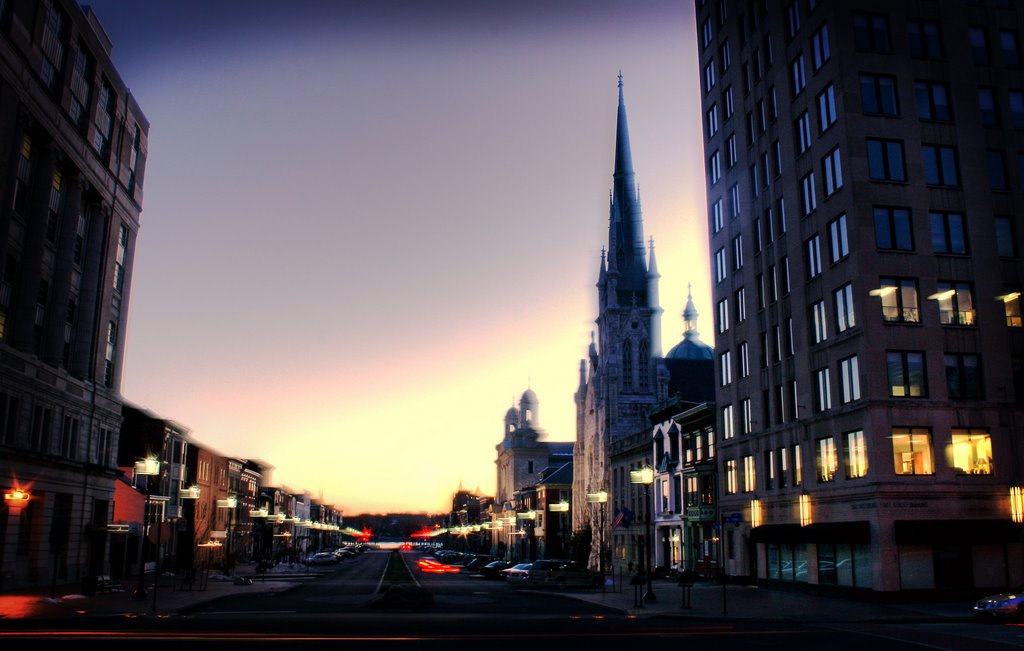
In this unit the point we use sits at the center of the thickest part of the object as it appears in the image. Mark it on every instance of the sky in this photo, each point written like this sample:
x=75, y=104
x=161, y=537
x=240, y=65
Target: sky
x=368, y=227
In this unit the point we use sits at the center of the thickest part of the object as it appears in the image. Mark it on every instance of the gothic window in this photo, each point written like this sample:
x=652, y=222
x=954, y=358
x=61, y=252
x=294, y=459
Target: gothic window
x=627, y=363
x=643, y=364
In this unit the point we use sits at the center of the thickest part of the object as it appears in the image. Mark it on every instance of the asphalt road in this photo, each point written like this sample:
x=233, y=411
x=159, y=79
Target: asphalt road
x=334, y=611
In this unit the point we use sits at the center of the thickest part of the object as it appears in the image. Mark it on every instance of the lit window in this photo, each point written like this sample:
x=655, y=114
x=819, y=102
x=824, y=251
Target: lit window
x=971, y=452
x=845, y=315
x=749, y=474
x=912, y=451
x=825, y=461
x=856, y=455
x=899, y=300
x=956, y=303
x=849, y=379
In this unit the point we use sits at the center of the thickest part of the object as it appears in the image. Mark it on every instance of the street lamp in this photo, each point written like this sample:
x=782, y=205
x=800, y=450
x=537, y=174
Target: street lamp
x=149, y=467
x=645, y=476
x=529, y=516
x=600, y=497
x=560, y=507
x=230, y=503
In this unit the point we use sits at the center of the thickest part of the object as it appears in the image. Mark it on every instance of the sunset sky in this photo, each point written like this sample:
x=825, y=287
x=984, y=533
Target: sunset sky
x=369, y=226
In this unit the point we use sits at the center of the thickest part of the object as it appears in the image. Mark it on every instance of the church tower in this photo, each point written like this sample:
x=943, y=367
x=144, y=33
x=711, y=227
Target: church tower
x=624, y=376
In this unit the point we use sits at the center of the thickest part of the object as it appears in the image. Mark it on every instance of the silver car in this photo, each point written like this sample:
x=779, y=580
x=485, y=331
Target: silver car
x=1006, y=604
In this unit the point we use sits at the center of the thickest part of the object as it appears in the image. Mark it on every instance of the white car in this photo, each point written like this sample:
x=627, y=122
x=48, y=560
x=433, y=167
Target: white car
x=517, y=573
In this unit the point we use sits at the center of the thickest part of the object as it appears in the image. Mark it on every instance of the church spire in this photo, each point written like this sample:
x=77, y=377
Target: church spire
x=626, y=230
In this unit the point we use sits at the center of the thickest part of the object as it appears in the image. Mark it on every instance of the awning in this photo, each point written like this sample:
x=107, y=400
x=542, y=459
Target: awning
x=852, y=533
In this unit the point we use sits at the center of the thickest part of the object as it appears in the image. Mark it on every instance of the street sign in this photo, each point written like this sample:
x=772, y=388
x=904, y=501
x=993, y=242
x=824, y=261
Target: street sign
x=733, y=518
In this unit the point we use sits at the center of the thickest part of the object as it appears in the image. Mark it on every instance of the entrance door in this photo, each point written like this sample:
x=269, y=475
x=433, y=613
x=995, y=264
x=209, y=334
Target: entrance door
x=953, y=566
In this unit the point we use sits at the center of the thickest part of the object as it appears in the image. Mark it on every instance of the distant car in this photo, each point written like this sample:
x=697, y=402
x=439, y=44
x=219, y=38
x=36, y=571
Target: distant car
x=322, y=558
x=493, y=569
x=1004, y=604
x=517, y=573
x=562, y=574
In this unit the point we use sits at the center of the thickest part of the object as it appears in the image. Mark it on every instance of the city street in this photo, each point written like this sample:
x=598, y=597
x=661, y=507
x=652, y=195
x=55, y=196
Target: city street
x=333, y=607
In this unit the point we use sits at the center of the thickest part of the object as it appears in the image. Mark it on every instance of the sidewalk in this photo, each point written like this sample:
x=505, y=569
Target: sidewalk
x=170, y=596
x=741, y=602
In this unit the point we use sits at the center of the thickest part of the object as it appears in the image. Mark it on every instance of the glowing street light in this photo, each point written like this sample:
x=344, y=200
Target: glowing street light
x=149, y=467
x=645, y=476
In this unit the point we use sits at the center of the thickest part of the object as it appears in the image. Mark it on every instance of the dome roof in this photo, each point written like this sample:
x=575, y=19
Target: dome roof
x=691, y=348
x=528, y=396
x=512, y=415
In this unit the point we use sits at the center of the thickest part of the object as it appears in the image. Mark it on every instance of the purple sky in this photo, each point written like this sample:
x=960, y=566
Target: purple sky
x=368, y=226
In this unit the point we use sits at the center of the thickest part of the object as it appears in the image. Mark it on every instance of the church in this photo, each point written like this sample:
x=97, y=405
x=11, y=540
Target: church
x=624, y=378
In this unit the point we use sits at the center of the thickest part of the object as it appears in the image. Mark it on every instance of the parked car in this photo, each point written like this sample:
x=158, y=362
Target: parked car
x=517, y=573
x=562, y=574
x=322, y=558
x=1004, y=604
x=493, y=569
x=477, y=562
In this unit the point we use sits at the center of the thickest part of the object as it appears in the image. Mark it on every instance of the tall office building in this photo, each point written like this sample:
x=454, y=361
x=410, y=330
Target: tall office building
x=864, y=182
x=72, y=153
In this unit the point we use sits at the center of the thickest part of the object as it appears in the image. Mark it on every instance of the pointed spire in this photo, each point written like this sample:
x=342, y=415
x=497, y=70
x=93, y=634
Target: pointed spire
x=652, y=267
x=623, y=158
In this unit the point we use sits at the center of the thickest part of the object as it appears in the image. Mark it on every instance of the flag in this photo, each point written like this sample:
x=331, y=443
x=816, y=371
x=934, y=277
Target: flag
x=624, y=516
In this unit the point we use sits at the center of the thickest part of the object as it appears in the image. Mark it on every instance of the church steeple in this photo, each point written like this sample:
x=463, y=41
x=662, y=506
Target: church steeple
x=626, y=231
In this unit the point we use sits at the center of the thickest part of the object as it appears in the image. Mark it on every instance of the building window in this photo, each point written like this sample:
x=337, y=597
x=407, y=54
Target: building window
x=840, y=244
x=724, y=57
x=741, y=305
x=819, y=325
x=987, y=107
x=717, y=218
x=120, y=257
x=971, y=452
x=820, y=47
x=746, y=417
x=822, y=390
x=885, y=160
x=827, y=108
x=899, y=300
x=964, y=380
x=104, y=121
x=932, y=101
x=714, y=167
x=798, y=466
x=792, y=20
x=808, y=198
x=725, y=368
x=1016, y=100
x=1008, y=45
x=978, y=40
x=803, y=132
x=749, y=474
x=832, y=167
x=731, y=482
x=69, y=438
x=856, y=455
x=825, y=461
x=845, y=316
x=849, y=380
x=712, y=117
x=730, y=151
x=721, y=268
x=769, y=469
x=707, y=33
x=734, y=201
x=892, y=229
x=709, y=76
x=737, y=252
x=727, y=423
x=949, y=234
x=783, y=457
x=906, y=374
x=995, y=161
x=1011, y=307
x=925, y=39
x=878, y=95
x=1006, y=242
x=912, y=451
x=956, y=303
x=871, y=32
x=744, y=361
x=940, y=165
x=42, y=423
x=730, y=107
x=797, y=75
x=813, y=249
x=723, y=315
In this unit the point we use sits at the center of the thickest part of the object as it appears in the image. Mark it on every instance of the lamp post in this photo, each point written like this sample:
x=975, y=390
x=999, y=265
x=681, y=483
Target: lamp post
x=14, y=498
x=150, y=467
x=600, y=497
x=560, y=507
x=645, y=476
x=230, y=503
x=529, y=516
